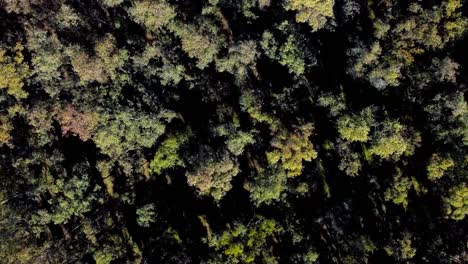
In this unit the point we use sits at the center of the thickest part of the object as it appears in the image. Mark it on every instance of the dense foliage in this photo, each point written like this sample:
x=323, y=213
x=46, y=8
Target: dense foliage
x=233, y=131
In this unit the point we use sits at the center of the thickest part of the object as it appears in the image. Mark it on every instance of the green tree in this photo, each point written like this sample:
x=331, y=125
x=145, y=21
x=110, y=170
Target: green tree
x=13, y=72
x=316, y=13
x=146, y=215
x=151, y=14
x=397, y=192
x=448, y=117
x=167, y=155
x=239, y=59
x=456, y=203
x=290, y=149
x=245, y=243
x=356, y=127
x=267, y=186
x=125, y=131
x=214, y=175
x=437, y=166
x=393, y=140
x=201, y=42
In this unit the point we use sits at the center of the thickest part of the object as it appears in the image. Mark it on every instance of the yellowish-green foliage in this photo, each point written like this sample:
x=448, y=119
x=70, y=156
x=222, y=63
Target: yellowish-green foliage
x=368, y=58
x=112, y=3
x=5, y=130
x=393, y=140
x=103, y=257
x=250, y=104
x=200, y=42
x=47, y=57
x=335, y=103
x=316, y=13
x=456, y=203
x=380, y=75
x=13, y=72
x=105, y=168
x=111, y=57
x=213, y=177
x=20, y=6
x=398, y=191
x=406, y=250
x=239, y=59
x=146, y=215
x=438, y=166
x=269, y=44
x=310, y=257
x=244, y=244
x=238, y=141
x=429, y=29
x=268, y=185
x=356, y=128
x=70, y=198
x=40, y=120
x=152, y=14
x=401, y=249
x=420, y=31
x=289, y=55
x=167, y=155
x=18, y=247
x=391, y=145
x=67, y=17
x=291, y=148
x=126, y=131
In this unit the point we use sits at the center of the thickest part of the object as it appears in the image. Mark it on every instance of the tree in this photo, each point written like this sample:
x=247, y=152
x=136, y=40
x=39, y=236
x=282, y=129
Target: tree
x=393, y=140
x=398, y=191
x=245, y=243
x=267, y=186
x=125, y=131
x=291, y=53
x=350, y=161
x=214, y=175
x=335, y=103
x=290, y=149
x=456, y=120
x=456, y=203
x=67, y=17
x=146, y=215
x=316, y=13
x=200, y=42
x=250, y=104
x=13, y=72
x=356, y=127
x=152, y=14
x=410, y=33
x=437, y=166
x=48, y=57
x=239, y=59
x=289, y=56
x=74, y=122
x=5, y=130
x=167, y=155
x=237, y=139
x=70, y=198
x=102, y=67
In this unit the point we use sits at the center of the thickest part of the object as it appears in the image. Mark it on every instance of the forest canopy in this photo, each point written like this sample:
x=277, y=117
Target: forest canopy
x=233, y=131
